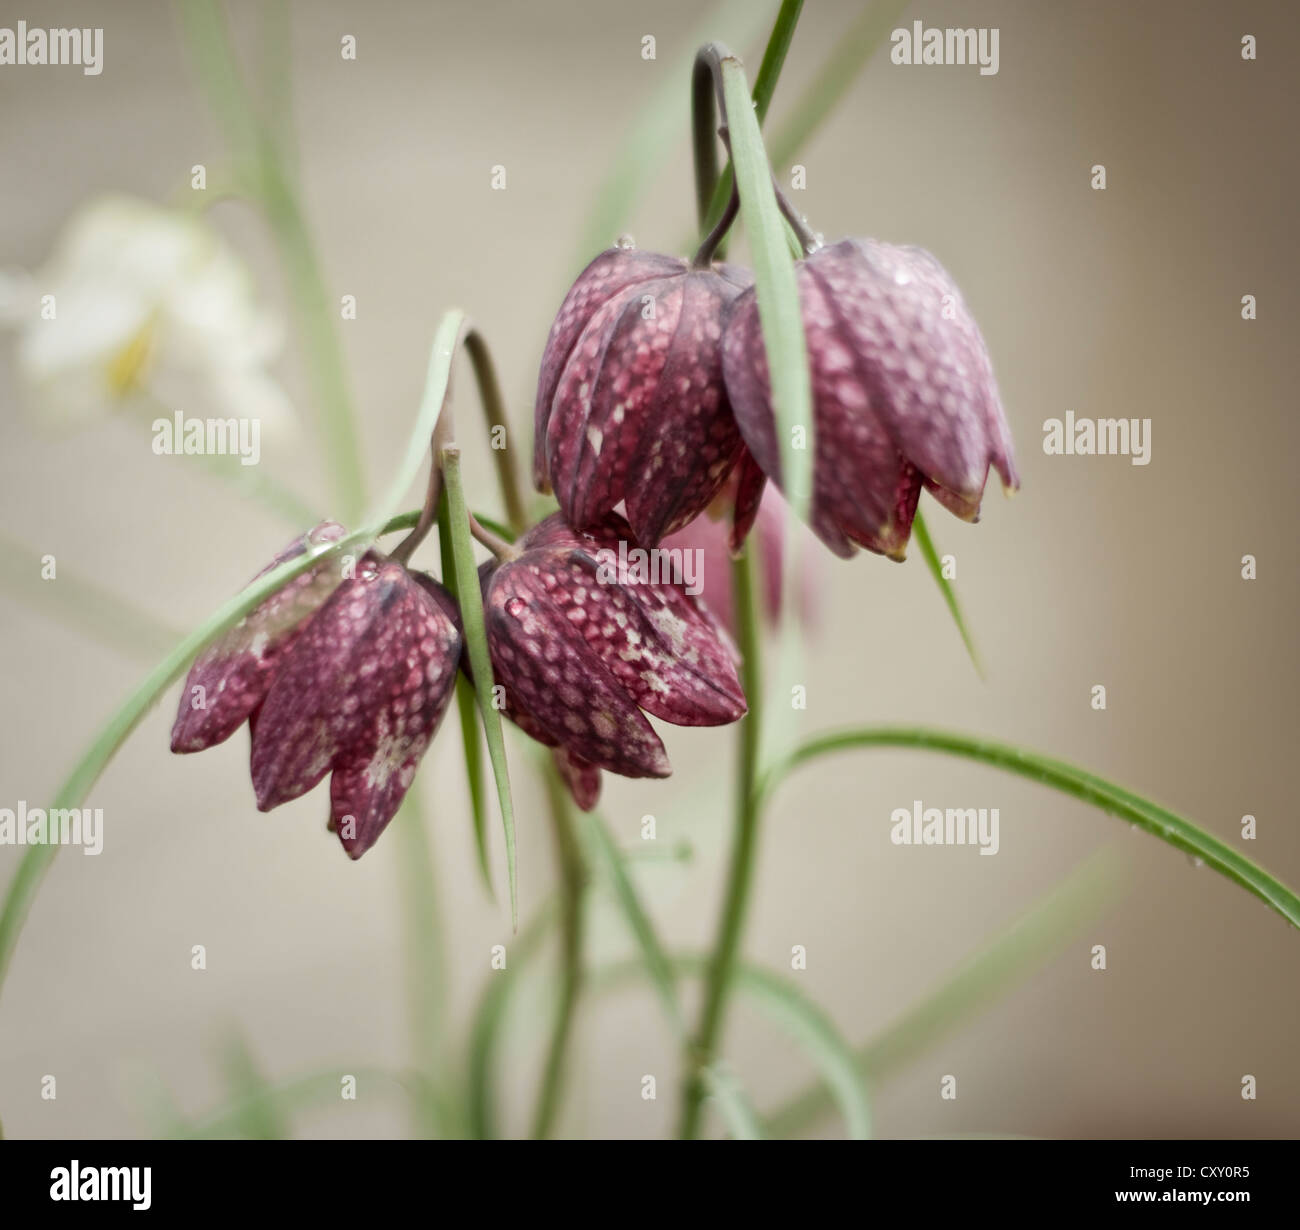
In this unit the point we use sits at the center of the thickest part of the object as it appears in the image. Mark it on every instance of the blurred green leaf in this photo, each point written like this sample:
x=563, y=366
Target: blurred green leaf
x=921, y=532
x=471, y=612
x=489, y=1020
x=638, y=921
x=469, y=729
x=731, y=1102
x=775, y=287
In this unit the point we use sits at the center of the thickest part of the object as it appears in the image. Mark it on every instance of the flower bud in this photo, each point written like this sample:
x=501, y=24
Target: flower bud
x=903, y=393
x=631, y=406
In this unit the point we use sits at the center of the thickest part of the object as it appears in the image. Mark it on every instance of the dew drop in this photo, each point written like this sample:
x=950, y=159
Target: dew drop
x=1195, y=862
x=625, y=243
x=515, y=608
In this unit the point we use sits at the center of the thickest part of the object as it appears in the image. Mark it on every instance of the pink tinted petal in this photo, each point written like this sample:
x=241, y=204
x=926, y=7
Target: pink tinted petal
x=663, y=650
x=607, y=275
x=582, y=778
x=553, y=676
x=229, y=679
x=363, y=689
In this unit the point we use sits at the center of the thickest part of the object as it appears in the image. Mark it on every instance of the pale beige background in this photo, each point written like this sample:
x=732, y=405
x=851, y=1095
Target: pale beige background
x=1122, y=303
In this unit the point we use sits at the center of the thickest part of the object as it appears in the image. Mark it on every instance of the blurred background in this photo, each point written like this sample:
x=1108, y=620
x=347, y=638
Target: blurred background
x=1117, y=303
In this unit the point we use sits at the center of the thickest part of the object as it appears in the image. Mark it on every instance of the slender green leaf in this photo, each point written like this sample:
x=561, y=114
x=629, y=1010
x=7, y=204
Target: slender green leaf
x=638, y=921
x=489, y=1019
x=424, y=948
x=831, y=82
x=816, y=1033
x=769, y=72
x=730, y=1098
x=778, y=295
x=788, y=1008
x=469, y=729
x=1179, y=832
x=471, y=611
x=921, y=532
x=1009, y=958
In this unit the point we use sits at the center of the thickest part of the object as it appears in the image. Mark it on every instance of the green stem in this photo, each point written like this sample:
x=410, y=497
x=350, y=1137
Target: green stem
x=425, y=950
x=494, y=410
x=769, y=71
x=573, y=877
x=743, y=851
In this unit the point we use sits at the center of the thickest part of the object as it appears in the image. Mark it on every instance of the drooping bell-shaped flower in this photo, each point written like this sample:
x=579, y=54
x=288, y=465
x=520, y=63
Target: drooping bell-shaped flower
x=583, y=637
x=360, y=694
x=631, y=405
x=343, y=674
x=230, y=678
x=903, y=393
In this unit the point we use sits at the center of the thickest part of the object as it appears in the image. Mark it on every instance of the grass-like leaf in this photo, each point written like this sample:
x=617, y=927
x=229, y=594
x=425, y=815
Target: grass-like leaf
x=471, y=612
x=921, y=532
x=1170, y=827
x=656, y=960
x=489, y=1020
x=469, y=729
x=778, y=294
x=833, y=78
x=731, y=1102
x=769, y=72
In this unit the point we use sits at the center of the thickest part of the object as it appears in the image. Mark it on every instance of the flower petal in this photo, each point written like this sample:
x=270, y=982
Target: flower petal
x=362, y=690
x=553, y=676
x=230, y=678
x=607, y=275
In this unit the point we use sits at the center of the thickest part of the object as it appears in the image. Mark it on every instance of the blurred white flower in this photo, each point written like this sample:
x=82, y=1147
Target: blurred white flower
x=139, y=299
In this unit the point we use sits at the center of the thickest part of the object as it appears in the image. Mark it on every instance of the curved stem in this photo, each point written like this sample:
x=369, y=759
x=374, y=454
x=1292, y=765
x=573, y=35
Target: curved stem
x=722, y=963
x=573, y=876
x=705, y=100
x=809, y=240
x=494, y=409
x=433, y=492
x=778, y=45
x=713, y=240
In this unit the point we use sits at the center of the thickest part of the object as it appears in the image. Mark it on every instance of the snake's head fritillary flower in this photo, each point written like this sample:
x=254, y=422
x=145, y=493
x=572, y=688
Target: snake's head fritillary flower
x=903, y=393
x=230, y=678
x=348, y=674
x=360, y=694
x=581, y=645
x=632, y=409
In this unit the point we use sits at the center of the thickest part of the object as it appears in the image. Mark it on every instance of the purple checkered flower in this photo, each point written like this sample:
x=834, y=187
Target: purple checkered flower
x=581, y=648
x=903, y=394
x=631, y=406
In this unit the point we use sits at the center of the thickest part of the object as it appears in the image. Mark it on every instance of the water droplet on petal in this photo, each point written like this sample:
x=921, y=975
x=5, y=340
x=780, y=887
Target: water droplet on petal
x=625, y=243
x=515, y=608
